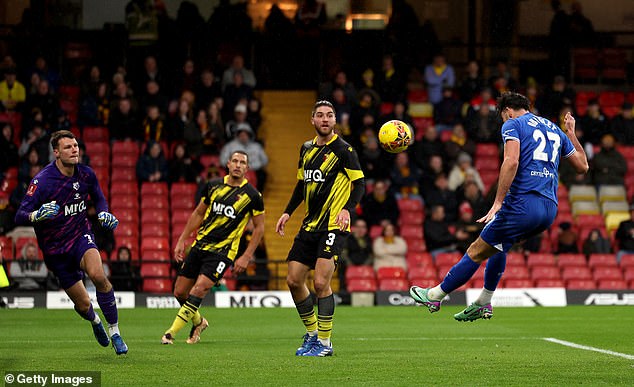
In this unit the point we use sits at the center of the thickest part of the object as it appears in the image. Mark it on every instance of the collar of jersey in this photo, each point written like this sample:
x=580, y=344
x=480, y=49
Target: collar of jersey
x=224, y=179
x=328, y=143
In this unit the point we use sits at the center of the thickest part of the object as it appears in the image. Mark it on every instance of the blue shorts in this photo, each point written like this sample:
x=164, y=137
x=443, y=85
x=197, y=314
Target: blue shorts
x=520, y=218
x=66, y=267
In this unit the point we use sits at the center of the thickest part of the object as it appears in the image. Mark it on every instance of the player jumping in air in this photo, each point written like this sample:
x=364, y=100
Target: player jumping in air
x=525, y=203
x=327, y=166
x=220, y=218
x=55, y=205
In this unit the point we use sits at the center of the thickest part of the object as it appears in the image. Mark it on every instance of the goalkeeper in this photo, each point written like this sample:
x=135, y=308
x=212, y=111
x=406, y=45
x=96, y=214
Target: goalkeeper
x=55, y=205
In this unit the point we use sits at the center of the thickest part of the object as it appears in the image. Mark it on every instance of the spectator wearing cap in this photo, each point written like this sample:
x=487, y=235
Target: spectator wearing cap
x=244, y=141
x=464, y=171
x=239, y=117
x=623, y=125
x=12, y=92
x=608, y=165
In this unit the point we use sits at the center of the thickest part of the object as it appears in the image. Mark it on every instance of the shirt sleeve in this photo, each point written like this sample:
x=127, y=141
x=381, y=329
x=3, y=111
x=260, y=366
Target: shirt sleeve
x=510, y=131
x=96, y=194
x=258, y=205
x=32, y=201
x=352, y=165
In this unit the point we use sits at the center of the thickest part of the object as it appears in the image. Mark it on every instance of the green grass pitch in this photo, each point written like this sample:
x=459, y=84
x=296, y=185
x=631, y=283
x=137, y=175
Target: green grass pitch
x=379, y=346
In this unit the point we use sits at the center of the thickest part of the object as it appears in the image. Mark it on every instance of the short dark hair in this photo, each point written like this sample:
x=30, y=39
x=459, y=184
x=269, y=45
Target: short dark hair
x=240, y=152
x=514, y=101
x=323, y=102
x=56, y=136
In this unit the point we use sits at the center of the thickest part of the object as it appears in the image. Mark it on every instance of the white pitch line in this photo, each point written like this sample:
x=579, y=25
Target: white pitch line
x=588, y=348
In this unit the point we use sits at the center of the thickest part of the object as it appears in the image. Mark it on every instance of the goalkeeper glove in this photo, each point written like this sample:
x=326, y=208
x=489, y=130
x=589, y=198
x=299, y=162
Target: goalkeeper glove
x=107, y=220
x=47, y=211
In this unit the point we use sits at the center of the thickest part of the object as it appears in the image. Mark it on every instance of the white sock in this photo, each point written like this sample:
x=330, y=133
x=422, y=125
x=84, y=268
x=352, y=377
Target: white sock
x=312, y=333
x=436, y=293
x=96, y=321
x=485, y=297
x=113, y=329
x=325, y=342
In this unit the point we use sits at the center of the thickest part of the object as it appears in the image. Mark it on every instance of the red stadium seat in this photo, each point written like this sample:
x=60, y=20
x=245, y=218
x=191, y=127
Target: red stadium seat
x=180, y=202
x=518, y=283
x=155, y=270
x=576, y=273
x=628, y=274
x=422, y=272
x=417, y=258
x=127, y=229
x=210, y=160
x=125, y=160
x=408, y=204
x=157, y=285
x=565, y=260
x=94, y=148
x=423, y=282
x=126, y=214
x=123, y=174
x=96, y=133
x=411, y=231
x=183, y=189
x=375, y=231
x=152, y=215
x=155, y=243
x=124, y=188
x=447, y=259
x=612, y=284
x=411, y=218
x=541, y=259
x=155, y=230
x=156, y=188
x=120, y=201
x=545, y=272
x=361, y=285
x=581, y=284
x=602, y=260
x=487, y=150
x=484, y=163
x=516, y=272
x=417, y=95
x=607, y=273
x=180, y=216
x=8, y=251
x=99, y=160
x=627, y=261
x=416, y=245
x=359, y=272
x=154, y=201
x=549, y=283
x=390, y=272
x=394, y=284
x=515, y=259
x=130, y=242
x=120, y=147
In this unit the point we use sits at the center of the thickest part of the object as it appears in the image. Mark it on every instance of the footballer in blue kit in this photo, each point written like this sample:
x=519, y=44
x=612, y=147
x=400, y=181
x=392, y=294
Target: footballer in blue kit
x=525, y=203
x=55, y=205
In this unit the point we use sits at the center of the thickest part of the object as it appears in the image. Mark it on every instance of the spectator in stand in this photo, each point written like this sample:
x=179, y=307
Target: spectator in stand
x=367, y=105
x=472, y=82
x=556, y=97
x=154, y=97
x=485, y=96
x=593, y=124
x=447, y=111
x=29, y=271
x=12, y=92
x=581, y=28
x=622, y=126
x=152, y=165
x=340, y=81
x=122, y=91
x=380, y=207
x=208, y=89
x=608, y=165
x=389, y=249
x=568, y=176
x=463, y=171
x=181, y=122
x=211, y=143
x=90, y=84
x=23, y=185
x=47, y=74
x=245, y=142
x=182, y=167
x=37, y=139
x=467, y=229
x=187, y=78
x=239, y=118
x=45, y=101
x=390, y=84
x=625, y=236
x=438, y=237
x=533, y=95
x=373, y=160
x=472, y=195
x=502, y=72
x=458, y=143
x=405, y=177
x=237, y=67
x=254, y=115
x=123, y=275
x=400, y=113
x=441, y=195
x=32, y=158
x=123, y=123
x=8, y=149
x=153, y=126
x=482, y=124
x=566, y=239
x=595, y=243
x=429, y=146
x=343, y=106
x=357, y=251
x=150, y=72
x=434, y=169
x=438, y=74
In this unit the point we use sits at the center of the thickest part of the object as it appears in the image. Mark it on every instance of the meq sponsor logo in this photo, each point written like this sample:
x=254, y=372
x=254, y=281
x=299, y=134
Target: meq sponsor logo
x=19, y=302
x=162, y=302
x=273, y=299
x=610, y=299
x=59, y=300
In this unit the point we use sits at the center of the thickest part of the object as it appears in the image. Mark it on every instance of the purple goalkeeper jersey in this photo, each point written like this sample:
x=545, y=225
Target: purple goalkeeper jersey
x=59, y=234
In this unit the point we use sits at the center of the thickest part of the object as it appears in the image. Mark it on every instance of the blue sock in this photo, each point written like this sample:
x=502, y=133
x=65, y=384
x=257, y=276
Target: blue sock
x=459, y=274
x=494, y=270
x=89, y=315
x=108, y=306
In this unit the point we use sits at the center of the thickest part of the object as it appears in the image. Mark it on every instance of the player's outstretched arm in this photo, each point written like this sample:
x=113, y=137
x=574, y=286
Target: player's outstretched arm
x=107, y=220
x=579, y=159
x=293, y=203
x=46, y=211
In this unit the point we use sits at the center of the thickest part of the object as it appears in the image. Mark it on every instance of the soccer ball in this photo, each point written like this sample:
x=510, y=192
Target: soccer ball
x=395, y=136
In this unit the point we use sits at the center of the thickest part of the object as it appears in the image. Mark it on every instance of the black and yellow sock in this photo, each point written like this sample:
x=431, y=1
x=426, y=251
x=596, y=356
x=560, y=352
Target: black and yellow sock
x=325, y=313
x=185, y=314
x=197, y=318
x=306, y=312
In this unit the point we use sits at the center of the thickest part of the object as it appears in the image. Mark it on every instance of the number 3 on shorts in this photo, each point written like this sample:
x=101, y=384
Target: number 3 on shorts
x=331, y=239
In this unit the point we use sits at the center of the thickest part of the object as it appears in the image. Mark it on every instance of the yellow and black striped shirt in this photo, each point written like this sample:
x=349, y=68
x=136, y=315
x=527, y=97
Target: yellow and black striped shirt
x=327, y=171
x=229, y=211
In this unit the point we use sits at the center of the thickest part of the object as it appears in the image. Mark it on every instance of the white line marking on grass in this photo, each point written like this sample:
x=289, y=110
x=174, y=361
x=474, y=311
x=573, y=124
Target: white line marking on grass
x=587, y=348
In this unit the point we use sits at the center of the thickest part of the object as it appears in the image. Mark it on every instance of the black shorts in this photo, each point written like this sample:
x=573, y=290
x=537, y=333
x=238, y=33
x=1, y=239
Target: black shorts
x=210, y=264
x=308, y=246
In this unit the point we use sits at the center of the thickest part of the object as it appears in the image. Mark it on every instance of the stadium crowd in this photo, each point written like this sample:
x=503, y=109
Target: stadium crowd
x=179, y=123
